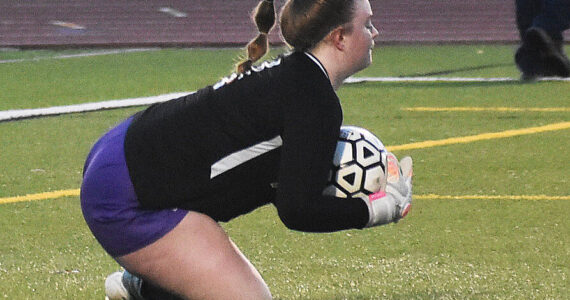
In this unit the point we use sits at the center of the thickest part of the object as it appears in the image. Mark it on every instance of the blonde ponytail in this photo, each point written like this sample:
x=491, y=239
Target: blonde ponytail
x=264, y=18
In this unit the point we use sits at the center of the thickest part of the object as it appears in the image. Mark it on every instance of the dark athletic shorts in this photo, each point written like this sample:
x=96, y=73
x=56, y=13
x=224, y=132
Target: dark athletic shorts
x=109, y=202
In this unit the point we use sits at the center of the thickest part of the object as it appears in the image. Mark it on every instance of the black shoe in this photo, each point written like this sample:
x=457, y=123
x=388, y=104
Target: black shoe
x=538, y=56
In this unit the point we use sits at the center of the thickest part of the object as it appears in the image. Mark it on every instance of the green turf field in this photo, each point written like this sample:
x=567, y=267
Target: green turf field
x=476, y=231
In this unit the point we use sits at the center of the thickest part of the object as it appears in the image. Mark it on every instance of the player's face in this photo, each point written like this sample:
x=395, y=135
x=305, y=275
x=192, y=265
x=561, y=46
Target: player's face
x=360, y=37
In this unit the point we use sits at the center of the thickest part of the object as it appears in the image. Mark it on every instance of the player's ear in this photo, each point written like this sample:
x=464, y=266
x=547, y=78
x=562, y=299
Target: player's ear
x=337, y=38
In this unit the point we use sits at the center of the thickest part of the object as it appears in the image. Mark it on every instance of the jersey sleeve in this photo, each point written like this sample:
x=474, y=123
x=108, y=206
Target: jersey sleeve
x=311, y=129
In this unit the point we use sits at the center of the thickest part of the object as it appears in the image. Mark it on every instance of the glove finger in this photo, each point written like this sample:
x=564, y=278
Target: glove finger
x=406, y=164
x=393, y=172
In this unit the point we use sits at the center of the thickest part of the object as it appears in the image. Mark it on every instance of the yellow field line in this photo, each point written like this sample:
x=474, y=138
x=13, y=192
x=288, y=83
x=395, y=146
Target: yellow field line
x=480, y=137
x=75, y=192
x=492, y=197
x=425, y=144
x=498, y=109
x=41, y=196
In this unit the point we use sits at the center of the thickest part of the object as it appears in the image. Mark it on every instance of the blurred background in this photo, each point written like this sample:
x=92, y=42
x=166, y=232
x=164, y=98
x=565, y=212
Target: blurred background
x=223, y=23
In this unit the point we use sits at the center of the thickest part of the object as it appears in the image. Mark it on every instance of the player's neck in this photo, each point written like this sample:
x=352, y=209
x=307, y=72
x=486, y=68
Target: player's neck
x=330, y=62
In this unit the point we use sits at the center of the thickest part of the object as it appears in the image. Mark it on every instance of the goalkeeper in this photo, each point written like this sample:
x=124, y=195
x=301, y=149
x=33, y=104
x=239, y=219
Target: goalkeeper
x=156, y=186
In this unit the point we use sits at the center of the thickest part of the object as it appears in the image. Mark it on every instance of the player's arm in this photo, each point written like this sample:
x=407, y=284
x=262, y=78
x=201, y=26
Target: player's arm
x=306, y=160
x=309, y=140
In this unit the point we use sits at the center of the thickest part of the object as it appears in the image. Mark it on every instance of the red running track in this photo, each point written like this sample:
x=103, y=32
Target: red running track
x=193, y=23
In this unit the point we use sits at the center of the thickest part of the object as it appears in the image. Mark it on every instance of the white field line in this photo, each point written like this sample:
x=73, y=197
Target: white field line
x=58, y=110
x=444, y=79
x=96, y=53
x=8, y=115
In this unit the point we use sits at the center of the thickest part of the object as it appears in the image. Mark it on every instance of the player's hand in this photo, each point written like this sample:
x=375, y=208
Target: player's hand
x=393, y=203
x=399, y=184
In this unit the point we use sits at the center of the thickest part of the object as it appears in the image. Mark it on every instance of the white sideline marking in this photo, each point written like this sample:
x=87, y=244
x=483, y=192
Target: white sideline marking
x=444, y=79
x=58, y=110
x=97, y=53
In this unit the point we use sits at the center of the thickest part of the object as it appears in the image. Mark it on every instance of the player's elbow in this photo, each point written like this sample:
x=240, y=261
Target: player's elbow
x=293, y=218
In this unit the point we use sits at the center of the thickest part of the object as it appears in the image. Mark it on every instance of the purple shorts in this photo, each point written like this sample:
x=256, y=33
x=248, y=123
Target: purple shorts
x=109, y=202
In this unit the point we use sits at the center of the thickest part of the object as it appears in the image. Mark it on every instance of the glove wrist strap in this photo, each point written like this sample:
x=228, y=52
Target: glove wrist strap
x=381, y=209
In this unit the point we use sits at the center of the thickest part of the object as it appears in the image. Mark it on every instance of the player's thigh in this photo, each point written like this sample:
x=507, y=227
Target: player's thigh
x=199, y=261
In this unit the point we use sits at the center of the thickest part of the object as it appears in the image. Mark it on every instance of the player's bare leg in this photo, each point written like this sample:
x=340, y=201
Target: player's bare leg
x=197, y=260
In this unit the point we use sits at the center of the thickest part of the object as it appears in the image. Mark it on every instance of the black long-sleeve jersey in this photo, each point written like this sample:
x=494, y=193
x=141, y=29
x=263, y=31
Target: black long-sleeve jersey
x=267, y=135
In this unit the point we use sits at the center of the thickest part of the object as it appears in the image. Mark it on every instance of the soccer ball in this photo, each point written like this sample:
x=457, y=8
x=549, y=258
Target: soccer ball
x=359, y=164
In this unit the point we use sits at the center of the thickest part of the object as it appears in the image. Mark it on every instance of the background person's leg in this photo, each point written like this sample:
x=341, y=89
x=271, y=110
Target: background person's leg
x=526, y=12
x=540, y=24
x=554, y=18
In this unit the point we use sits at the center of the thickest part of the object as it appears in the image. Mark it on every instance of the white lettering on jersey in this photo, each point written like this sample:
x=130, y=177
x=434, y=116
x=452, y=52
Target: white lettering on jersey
x=235, y=76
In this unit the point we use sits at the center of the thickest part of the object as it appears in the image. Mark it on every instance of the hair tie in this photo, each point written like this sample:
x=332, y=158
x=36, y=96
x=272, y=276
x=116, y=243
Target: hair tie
x=244, y=66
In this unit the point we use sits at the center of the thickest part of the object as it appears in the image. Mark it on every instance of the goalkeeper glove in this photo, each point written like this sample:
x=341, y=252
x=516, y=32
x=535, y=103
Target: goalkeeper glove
x=393, y=203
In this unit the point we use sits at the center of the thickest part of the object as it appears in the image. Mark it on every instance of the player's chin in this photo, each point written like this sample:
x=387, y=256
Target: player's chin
x=370, y=54
x=362, y=64
x=368, y=61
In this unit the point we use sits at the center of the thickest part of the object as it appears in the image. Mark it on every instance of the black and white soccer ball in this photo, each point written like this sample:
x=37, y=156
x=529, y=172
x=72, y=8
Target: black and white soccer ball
x=359, y=164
